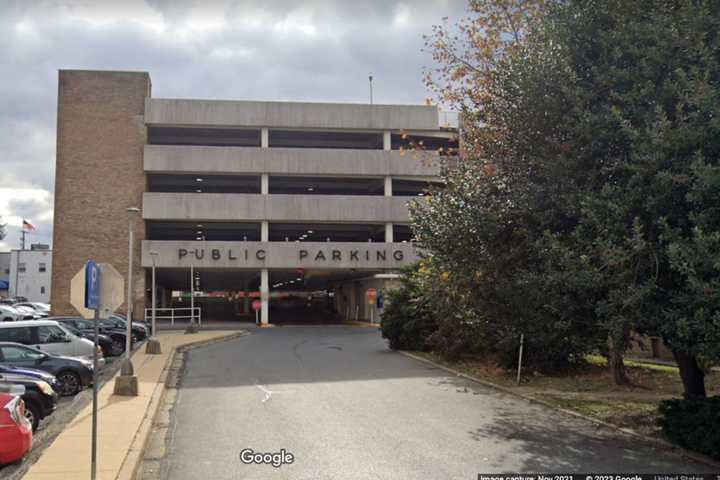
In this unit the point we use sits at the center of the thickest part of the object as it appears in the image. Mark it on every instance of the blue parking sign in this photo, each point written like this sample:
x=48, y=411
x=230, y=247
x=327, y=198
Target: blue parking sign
x=92, y=285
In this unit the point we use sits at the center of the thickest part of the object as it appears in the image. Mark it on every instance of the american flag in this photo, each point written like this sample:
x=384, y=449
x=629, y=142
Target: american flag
x=27, y=226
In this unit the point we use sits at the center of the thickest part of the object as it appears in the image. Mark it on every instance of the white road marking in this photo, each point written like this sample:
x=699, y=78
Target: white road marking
x=269, y=393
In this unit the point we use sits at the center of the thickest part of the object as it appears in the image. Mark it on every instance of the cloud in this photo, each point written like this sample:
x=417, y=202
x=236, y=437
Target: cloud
x=318, y=50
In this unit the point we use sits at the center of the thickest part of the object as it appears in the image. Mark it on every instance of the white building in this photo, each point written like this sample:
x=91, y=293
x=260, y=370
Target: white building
x=29, y=274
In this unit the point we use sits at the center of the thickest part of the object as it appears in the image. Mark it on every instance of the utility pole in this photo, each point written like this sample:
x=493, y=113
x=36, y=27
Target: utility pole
x=370, y=78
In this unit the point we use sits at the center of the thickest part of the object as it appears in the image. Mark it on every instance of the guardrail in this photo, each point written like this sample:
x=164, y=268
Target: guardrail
x=162, y=314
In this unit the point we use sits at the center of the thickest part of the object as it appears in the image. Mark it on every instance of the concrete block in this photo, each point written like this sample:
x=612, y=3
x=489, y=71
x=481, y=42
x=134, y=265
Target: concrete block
x=126, y=385
x=152, y=347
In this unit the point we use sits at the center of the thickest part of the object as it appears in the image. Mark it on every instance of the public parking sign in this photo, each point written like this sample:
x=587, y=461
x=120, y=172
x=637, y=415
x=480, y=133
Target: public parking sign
x=92, y=285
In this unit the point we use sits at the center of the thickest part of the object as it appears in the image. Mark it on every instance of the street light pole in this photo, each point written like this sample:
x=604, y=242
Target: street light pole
x=153, y=255
x=128, y=341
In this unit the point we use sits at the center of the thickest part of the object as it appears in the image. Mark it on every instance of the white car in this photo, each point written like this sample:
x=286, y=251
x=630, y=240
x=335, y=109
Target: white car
x=51, y=337
x=42, y=308
x=11, y=314
x=29, y=311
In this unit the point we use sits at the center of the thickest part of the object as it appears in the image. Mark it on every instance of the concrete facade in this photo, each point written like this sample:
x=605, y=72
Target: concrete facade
x=288, y=161
x=278, y=208
x=120, y=148
x=225, y=113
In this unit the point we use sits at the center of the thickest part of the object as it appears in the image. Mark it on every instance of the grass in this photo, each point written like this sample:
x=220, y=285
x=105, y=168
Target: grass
x=589, y=388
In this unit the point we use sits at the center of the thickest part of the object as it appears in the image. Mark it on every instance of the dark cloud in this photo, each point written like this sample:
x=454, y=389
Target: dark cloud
x=275, y=50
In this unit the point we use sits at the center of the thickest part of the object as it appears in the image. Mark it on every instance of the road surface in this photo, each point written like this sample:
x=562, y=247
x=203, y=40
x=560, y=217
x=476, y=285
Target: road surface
x=347, y=407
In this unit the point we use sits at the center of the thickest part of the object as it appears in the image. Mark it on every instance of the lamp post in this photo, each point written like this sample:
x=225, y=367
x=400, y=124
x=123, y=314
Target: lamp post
x=132, y=211
x=153, y=255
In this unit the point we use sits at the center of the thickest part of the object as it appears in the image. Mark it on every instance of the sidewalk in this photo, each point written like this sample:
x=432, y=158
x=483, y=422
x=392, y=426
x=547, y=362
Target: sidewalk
x=119, y=420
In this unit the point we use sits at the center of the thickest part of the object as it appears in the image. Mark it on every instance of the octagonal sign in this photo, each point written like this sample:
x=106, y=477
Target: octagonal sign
x=111, y=292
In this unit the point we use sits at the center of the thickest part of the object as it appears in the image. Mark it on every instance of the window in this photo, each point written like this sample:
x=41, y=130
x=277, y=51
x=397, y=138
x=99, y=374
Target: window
x=42, y=290
x=51, y=334
x=86, y=324
x=21, y=267
x=42, y=267
x=18, y=354
x=16, y=334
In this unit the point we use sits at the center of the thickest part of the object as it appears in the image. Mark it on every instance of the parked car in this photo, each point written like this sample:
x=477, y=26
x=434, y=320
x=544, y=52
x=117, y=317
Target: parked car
x=12, y=300
x=104, y=342
x=28, y=307
x=39, y=397
x=37, y=306
x=15, y=430
x=87, y=327
x=74, y=374
x=29, y=311
x=139, y=329
x=48, y=378
x=8, y=313
x=49, y=336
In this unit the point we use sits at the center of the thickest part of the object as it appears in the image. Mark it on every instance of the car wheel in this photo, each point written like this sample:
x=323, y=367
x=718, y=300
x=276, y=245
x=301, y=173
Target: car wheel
x=32, y=413
x=118, y=347
x=70, y=383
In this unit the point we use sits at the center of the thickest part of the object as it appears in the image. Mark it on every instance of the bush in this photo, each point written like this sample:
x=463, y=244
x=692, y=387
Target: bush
x=693, y=424
x=406, y=322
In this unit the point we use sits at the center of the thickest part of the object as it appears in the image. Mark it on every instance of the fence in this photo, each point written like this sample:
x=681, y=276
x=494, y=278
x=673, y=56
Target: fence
x=172, y=314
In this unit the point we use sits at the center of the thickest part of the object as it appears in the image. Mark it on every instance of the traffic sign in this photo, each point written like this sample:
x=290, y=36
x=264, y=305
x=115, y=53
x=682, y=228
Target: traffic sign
x=256, y=305
x=113, y=290
x=92, y=285
x=111, y=294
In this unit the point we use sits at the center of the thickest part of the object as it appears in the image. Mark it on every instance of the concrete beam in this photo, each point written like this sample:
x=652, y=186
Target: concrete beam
x=276, y=208
x=289, y=161
x=227, y=113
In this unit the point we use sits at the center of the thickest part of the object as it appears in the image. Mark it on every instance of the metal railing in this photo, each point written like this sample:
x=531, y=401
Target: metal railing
x=173, y=314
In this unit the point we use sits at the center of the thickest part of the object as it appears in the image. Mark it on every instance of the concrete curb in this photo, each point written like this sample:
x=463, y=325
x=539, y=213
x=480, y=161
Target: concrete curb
x=656, y=441
x=134, y=457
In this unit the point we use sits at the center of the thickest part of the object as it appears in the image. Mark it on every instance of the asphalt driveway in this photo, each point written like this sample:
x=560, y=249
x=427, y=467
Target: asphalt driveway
x=347, y=407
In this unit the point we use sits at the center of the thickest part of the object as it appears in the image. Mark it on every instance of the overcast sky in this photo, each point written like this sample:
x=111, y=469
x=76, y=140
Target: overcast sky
x=266, y=50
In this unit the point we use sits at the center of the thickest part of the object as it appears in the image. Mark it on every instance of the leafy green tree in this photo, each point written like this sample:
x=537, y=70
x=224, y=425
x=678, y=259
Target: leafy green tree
x=595, y=202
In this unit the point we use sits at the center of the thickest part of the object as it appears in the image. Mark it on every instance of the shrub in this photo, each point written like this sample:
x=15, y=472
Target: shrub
x=693, y=423
x=406, y=321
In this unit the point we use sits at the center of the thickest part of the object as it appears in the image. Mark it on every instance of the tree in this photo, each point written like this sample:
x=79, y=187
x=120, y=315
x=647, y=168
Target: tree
x=594, y=195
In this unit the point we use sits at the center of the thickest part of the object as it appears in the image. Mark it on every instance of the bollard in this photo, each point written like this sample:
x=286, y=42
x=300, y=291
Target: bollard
x=152, y=347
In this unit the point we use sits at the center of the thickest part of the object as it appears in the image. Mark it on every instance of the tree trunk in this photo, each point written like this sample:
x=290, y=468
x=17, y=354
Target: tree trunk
x=693, y=377
x=617, y=365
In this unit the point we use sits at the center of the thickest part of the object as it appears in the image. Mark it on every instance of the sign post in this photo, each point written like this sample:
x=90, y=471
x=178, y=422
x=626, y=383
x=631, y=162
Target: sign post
x=95, y=292
x=257, y=305
x=92, y=302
